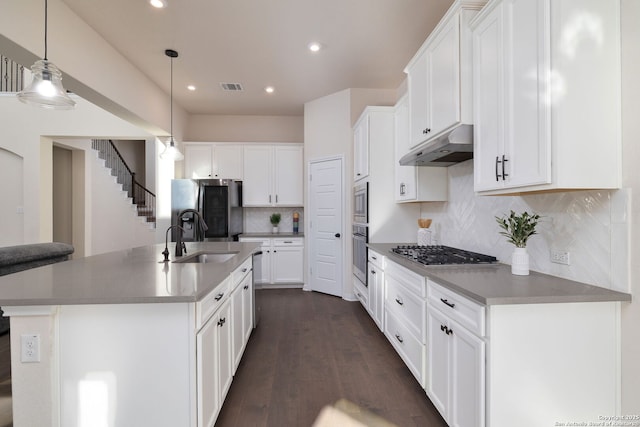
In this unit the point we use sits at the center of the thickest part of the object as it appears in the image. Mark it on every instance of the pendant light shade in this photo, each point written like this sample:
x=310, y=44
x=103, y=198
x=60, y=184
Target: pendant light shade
x=171, y=152
x=46, y=88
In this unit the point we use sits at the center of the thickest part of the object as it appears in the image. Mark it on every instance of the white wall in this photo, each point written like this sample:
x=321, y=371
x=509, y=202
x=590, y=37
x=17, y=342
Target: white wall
x=28, y=132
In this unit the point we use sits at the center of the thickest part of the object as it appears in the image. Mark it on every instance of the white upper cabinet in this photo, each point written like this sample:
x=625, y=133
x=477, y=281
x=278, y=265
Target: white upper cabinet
x=222, y=161
x=273, y=175
x=546, y=96
x=361, y=148
x=439, y=76
x=414, y=184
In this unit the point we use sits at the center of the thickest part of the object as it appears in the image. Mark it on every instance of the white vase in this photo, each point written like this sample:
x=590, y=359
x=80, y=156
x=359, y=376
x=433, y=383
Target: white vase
x=274, y=229
x=520, y=262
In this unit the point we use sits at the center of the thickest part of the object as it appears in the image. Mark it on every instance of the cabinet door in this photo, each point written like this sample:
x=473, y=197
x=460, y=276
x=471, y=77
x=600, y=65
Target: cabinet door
x=527, y=121
x=247, y=307
x=376, y=294
x=258, y=183
x=361, y=149
x=418, y=104
x=288, y=176
x=227, y=162
x=237, y=327
x=438, y=361
x=467, y=378
x=488, y=97
x=287, y=264
x=198, y=161
x=207, y=380
x=443, y=74
x=405, y=184
x=225, y=361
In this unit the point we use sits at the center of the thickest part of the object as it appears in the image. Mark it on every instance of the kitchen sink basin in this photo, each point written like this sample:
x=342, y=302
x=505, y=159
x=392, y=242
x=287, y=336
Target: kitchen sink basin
x=206, y=257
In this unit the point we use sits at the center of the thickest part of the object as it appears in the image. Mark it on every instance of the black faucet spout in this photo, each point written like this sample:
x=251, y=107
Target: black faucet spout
x=166, y=241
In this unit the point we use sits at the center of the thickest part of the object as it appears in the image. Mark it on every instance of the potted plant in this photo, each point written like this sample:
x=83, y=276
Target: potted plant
x=275, y=220
x=517, y=229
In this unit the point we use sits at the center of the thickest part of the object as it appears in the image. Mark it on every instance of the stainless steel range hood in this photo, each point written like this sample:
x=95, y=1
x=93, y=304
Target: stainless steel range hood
x=448, y=149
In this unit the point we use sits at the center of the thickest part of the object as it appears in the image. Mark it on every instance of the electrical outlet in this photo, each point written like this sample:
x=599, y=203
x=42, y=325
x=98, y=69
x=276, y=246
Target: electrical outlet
x=560, y=257
x=30, y=348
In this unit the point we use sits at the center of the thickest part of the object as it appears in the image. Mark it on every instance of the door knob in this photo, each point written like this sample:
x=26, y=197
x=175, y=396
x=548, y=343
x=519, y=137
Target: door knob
x=337, y=234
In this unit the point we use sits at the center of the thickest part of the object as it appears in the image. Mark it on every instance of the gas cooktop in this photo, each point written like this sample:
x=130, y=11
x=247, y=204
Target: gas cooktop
x=438, y=254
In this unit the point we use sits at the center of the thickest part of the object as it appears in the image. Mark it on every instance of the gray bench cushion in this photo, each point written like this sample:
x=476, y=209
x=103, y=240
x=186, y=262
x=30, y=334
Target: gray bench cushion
x=24, y=257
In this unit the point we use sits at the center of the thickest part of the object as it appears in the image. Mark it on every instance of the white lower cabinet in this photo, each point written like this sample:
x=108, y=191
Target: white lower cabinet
x=375, y=277
x=227, y=321
x=282, y=260
x=405, y=317
x=455, y=370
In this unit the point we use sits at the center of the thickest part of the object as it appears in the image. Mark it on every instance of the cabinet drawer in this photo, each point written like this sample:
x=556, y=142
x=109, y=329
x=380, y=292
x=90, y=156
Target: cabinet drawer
x=210, y=303
x=407, y=306
x=361, y=292
x=408, y=278
x=263, y=242
x=295, y=241
x=460, y=309
x=410, y=349
x=376, y=259
x=242, y=270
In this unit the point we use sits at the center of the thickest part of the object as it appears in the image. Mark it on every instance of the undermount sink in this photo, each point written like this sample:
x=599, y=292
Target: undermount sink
x=207, y=257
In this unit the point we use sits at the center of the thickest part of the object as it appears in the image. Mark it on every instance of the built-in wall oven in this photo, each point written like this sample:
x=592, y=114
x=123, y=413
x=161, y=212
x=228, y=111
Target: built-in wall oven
x=360, y=239
x=361, y=203
x=360, y=230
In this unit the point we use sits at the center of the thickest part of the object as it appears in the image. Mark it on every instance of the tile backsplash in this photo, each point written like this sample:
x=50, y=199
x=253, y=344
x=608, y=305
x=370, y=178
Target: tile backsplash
x=593, y=226
x=256, y=220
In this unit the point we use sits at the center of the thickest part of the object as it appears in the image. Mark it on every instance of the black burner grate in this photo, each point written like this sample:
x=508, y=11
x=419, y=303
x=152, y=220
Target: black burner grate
x=438, y=254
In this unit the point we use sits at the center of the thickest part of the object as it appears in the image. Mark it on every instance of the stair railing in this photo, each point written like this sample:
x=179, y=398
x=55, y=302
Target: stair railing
x=143, y=198
x=11, y=75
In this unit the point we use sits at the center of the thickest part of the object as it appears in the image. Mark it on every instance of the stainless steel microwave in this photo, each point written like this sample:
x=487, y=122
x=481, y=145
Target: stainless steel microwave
x=361, y=203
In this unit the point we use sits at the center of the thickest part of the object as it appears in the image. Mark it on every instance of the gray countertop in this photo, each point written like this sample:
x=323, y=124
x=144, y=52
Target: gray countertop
x=493, y=284
x=268, y=235
x=124, y=277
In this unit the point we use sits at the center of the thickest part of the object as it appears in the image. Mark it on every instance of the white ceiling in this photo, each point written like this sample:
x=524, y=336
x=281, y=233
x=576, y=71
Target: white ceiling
x=258, y=43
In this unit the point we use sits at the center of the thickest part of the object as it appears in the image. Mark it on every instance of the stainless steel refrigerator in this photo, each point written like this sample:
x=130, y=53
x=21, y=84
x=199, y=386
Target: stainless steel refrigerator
x=219, y=201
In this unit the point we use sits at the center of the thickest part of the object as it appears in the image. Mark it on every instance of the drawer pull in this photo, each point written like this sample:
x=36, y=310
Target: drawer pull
x=446, y=330
x=222, y=321
x=447, y=302
x=246, y=287
x=244, y=270
x=399, y=338
x=372, y=257
x=373, y=272
x=399, y=301
x=219, y=296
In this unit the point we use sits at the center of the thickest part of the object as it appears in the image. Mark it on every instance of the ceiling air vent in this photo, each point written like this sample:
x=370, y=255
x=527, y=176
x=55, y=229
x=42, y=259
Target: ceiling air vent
x=231, y=87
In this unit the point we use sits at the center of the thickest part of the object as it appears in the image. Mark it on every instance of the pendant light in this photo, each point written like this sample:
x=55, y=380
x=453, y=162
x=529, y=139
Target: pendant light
x=171, y=152
x=46, y=88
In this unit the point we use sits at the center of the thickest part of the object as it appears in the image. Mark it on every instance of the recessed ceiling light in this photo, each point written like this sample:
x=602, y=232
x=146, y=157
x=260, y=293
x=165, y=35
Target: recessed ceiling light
x=159, y=4
x=191, y=87
x=314, y=46
x=269, y=89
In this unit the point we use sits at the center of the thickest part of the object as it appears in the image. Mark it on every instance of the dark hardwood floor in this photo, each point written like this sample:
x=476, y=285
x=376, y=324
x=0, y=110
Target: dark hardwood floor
x=310, y=350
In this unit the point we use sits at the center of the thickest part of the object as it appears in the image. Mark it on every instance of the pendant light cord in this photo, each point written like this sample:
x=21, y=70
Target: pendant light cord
x=46, y=8
x=171, y=109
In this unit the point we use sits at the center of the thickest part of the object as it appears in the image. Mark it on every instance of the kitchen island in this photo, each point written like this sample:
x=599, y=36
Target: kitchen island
x=494, y=349
x=122, y=339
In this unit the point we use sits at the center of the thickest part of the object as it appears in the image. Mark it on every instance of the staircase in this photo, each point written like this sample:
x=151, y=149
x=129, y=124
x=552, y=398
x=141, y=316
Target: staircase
x=143, y=199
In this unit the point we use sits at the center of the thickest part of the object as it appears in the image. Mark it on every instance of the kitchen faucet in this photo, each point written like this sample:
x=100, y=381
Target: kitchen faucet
x=180, y=246
x=166, y=242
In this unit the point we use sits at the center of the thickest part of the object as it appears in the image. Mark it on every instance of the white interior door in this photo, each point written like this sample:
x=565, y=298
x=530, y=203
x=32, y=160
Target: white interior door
x=326, y=227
